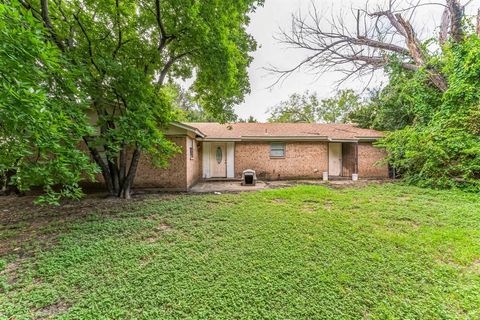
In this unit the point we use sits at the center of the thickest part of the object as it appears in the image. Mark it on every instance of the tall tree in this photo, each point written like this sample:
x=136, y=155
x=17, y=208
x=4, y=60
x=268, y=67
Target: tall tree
x=378, y=37
x=133, y=51
x=442, y=148
x=309, y=108
x=407, y=99
x=191, y=111
x=42, y=112
x=336, y=109
x=250, y=119
x=298, y=108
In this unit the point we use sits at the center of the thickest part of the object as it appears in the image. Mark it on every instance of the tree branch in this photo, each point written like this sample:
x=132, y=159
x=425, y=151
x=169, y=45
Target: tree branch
x=456, y=16
x=164, y=37
x=445, y=23
x=89, y=42
x=478, y=22
x=418, y=55
x=168, y=65
x=119, y=30
x=48, y=24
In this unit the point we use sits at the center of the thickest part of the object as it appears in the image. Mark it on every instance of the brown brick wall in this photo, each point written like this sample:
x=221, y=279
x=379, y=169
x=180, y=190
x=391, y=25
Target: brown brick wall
x=302, y=159
x=368, y=156
x=172, y=177
x=194, y=165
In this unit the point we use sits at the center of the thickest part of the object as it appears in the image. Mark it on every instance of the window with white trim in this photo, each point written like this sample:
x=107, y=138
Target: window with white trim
x=277, y=150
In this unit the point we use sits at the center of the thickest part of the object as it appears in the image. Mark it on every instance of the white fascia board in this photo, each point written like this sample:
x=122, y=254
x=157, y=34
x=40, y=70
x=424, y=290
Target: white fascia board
x=368, y=139
x=343, y=140
x=189, y=128
x=284, y=138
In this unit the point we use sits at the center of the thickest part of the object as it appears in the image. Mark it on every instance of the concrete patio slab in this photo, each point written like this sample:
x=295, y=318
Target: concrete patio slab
x=226, y=186
x=235, y=186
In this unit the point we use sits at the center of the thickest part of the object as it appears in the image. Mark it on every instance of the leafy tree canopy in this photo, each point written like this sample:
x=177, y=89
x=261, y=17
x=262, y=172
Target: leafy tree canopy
x=42, y=112
x=132, y=53
x=308, y=107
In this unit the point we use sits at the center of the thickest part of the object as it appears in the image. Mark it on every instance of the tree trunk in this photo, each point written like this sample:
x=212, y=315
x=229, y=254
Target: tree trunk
x=118, y=182
x=478, y=22
x=7, y=188
x=114, y=174
x=417, y=54
x=128, y=181
x=456, y=19
x=123, y=164
x=103, y=167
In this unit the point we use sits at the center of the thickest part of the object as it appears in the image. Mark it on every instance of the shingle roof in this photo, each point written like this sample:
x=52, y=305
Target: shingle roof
x=253, y=131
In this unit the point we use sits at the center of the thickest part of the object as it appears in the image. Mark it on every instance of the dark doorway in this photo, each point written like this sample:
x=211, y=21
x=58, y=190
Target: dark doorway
x=349, y=156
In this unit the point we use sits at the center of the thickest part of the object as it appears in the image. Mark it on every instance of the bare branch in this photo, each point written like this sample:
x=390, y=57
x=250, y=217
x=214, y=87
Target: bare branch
x=356, y=49
x=412, y=42
x=391, y=17
x=418, y=55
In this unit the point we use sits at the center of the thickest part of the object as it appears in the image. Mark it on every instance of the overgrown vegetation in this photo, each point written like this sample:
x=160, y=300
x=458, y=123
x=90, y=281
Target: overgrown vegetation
x=380, y=252
x=119, y=63
x=436, y=135
x=42, y=111
x=431, y=103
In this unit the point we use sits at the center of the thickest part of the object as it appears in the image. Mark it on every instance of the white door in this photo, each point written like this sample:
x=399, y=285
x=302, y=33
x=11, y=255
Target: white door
x=334, y=159
x=218, y=160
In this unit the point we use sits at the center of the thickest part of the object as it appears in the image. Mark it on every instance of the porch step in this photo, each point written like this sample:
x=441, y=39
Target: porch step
x=339, y=178
x=220, y=179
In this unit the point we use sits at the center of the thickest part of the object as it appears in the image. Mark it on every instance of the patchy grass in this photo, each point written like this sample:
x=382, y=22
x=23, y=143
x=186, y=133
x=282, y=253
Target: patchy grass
x=378, y=252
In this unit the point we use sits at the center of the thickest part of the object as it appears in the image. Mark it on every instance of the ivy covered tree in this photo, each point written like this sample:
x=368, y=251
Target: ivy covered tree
x=442, y=149
x=431, y=102
x=132, y=53
x=42, y=112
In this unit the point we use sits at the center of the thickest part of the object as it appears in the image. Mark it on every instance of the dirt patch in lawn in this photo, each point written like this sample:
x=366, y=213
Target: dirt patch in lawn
x=10, y=272
x=157, y=231
x=52, y=310
x=23, y=222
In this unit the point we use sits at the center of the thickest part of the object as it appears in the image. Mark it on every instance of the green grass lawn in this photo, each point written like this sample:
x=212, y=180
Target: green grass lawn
x=308, y=252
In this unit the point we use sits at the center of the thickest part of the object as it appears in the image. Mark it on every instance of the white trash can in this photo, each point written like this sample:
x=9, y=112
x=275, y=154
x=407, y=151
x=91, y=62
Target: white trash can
x=325, y=176
x=354, y=176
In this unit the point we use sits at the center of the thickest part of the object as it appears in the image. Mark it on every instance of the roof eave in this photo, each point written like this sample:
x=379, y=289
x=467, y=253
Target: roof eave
x=188, y=128
x=369, y=139
x=207, y=139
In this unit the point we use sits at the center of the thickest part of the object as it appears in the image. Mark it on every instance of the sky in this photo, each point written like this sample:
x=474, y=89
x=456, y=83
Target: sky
x=276, y=14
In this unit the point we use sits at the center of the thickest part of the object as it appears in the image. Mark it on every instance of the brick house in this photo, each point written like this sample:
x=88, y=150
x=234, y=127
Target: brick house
x=273, y=150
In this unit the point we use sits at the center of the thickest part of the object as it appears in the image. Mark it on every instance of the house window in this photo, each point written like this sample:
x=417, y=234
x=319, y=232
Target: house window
x=277, y=150
x=219, y=155
x=190, y=148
